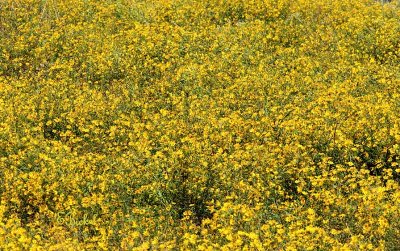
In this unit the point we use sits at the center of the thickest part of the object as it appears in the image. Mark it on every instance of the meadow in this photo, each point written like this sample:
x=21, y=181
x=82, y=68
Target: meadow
x=199, y=125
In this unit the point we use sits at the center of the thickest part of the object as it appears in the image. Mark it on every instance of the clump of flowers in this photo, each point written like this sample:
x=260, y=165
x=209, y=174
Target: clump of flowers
x=199, y=125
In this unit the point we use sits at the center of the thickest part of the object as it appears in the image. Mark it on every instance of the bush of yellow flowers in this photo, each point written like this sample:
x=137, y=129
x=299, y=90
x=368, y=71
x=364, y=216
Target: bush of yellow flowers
x=199, y=125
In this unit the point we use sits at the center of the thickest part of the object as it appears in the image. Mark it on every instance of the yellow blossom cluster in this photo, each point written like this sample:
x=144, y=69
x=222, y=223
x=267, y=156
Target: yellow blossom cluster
x=199, y=125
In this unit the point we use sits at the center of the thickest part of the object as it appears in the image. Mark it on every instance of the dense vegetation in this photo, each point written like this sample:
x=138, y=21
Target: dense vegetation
x=199, y=124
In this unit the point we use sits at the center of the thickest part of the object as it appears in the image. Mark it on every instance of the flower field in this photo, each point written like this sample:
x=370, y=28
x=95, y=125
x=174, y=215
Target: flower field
x=199, y=125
